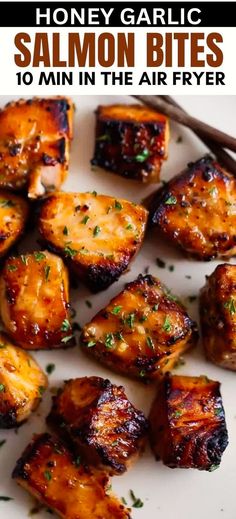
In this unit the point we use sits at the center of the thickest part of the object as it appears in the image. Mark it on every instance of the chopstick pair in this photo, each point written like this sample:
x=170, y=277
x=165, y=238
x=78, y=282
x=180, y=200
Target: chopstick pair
x=214, y=139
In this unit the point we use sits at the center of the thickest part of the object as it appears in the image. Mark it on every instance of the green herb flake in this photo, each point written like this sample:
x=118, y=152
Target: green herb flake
x=6, y=203
x=171, y=268
x=213, y=467
x=143, y=318
x=137, y=502
x=119, y=336
x=94, y=193
x=142, y=373
x=47, y=475
x=85, y=219
x=124, y=501
x=177, y=414
x=167, y=325
x=130, y=320
x=41, y=390
x=90, y=344
x=65, y=231
x=141, y=157
x=109, y=341
x=47, y=269
x=217, y=411
x=69, y=251
x=155, y=307
x=104, y=138
x=230, y=305
x=115, y=443
x=150, y=343
x=12, y=268
x=129, y=227
x=116, y=310
x=78, y=461
x=50, y=368
x=171, y=200
x=83, y=250
x=2, y=388
x=118, y=205
x=6, y=498
x=2, y=442
x=67, y=338
x=96, y=230
x=39, y=256
x=65, y=327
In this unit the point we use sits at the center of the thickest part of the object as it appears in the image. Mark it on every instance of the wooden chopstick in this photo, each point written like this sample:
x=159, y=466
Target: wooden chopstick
x=224, y=158
x=177, y=114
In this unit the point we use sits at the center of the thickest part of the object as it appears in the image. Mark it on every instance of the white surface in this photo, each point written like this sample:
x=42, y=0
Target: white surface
x=167, y=493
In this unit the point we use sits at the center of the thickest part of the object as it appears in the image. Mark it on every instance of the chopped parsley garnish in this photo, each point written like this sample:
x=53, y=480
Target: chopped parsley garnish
x=83, y=250
x=118, y=205
x=96, y=230
x=39, y=256
x=142, y=373
x=217, y=411
x=141, y=157
x=50, y=368
x=137, y=502
x=41, y=390
x=171, y=200
x=143, y=318
x=12, y=268
x=94, y=193
x=160, y=263
x=167, y=325
x=88, y=303
x=6, y=498
x=109, y=341
x=78, y=461
x=213, y=467
x=47, y=269
x=230, y=305
x=124, y=501
x=130, y=320
x=103, y=138
x=90, y=344
x=69, y=251
x=65, y=325
x=85, y=219
x=155, y=307
x=67, y=338
x=2, y=442
x=65, y=231
x=115, y=443
x=6, y=203
x=119, y=336
x=2, y=388
x=150, y=343
x=177, y=414
x=47, y=475
x=116, y=310
x=129, y=227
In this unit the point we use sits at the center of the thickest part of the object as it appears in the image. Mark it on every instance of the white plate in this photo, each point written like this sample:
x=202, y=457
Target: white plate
x=166, y=493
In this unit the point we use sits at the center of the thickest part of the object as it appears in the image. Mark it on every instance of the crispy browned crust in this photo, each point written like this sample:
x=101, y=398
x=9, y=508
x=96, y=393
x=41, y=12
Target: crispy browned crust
x=22, y=384
x=14, y=212
x=187, y=423
x=48, y=471
x=196, y=210
x=35, y=136
x=131, y=140
x=99, y=421
x=142, y=331
x=218, y=316
x=97, y=258
x=34, y=301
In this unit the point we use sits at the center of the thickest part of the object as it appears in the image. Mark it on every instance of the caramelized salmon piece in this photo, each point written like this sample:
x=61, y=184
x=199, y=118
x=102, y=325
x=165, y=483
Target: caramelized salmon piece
x=97, y=234
x=14, y=212
x=196, y=210
x=35, y=137
x=131, y=140
x=48, y=471
x=34, y=301
x=187, y=423
x=99, y=421
x=218, y=316
x=22, y=384
x=142, y=332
